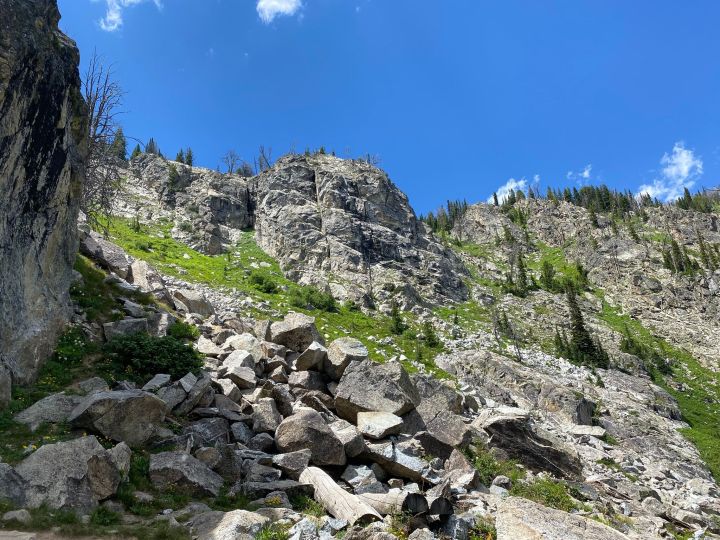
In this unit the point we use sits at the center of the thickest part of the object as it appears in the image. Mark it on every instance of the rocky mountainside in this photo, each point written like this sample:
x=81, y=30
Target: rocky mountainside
x=295, y=355
x=340, y=225
x=41, y=145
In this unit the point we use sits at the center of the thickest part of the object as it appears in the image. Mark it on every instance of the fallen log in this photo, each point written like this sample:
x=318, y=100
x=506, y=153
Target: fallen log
x=338, y=502
x=395, y=501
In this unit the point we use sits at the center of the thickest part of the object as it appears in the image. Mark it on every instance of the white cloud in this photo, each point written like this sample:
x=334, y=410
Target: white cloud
x=113, y=18
x=581, y=177
x=269, y=9
x=504, y=190
x=680, y=170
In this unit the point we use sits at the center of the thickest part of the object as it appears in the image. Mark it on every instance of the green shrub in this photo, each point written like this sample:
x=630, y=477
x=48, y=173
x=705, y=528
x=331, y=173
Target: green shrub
x=546, y=492
x=263, y=283
x=104, y=517
x=310, y=297
x=307, y=505
x=273, y=531
x=140, y=356
x=488, y=466
x=484, y=529
x=182, y=330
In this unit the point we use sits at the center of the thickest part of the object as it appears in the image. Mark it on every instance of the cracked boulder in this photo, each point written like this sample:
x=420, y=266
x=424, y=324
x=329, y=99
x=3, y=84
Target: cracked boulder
x=368, y=386
x=130, y=416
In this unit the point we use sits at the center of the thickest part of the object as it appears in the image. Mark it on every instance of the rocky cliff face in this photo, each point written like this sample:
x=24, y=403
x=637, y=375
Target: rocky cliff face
x=41, y=141
x=344, y=223
x=337, y=224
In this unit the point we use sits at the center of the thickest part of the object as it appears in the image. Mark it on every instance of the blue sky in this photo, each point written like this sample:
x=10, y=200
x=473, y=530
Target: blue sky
x=457, y=97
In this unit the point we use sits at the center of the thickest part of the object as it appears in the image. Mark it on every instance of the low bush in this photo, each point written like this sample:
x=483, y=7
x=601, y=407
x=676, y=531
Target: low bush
x=263, y=283
x=140, y=356
x=310, y=297
x=545, y=491
x=182, y=330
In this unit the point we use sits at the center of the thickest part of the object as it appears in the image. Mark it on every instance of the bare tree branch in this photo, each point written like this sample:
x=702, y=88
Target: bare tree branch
x=103, y=96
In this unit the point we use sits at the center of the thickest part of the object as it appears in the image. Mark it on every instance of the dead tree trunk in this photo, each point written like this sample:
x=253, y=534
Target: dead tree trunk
x=338, y=502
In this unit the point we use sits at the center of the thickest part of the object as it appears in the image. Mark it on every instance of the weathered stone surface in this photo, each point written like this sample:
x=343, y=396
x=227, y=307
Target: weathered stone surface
x=307, y=430
x=124, y=327
x=234, y=525
x=307, y=380
x=266, y=417
x=130, y=416
x=158, y=381
x=519, y=518
x=367, y=386
x=208, y=431
x=69, y=475
x=42, y=145
x=196, y=392
x=296, y=331
x=292, y=463
x=12, y=485
x=340, y=353
x=312, y=357
x=349, y=436
x=192, y=302
x=108, y=255
x=55, y=408
x=378, y=425
x=257, y=490
x=149, y=280
x=182, y=471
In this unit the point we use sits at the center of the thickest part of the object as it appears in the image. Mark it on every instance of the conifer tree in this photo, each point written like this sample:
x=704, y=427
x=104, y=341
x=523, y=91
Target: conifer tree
x=189, y=159
x=118, y=147
x=151, y=147
x=136, y=152
x=180, y=157
x=583, y=349
x=397, y=324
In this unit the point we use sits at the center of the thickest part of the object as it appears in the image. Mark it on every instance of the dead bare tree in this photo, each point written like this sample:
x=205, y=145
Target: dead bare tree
x=103, y=96
x=264, y=160
x=231, y=160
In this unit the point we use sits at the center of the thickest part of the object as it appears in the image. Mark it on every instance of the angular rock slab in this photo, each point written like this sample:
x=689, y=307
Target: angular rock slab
x=340, y=353
x=296, y=331
x=522, y=519
x=306, y=429
x=378, y=425
x=368, y=386
x=235, y=525
x=183, y=471
x=70, y=475
x=55, y=408
x=130, y=416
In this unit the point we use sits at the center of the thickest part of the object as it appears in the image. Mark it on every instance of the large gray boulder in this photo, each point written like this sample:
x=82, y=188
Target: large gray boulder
x=108, y=255
x=76, y=475
x=340, y=353
x=42, y=147
x=131, y=416
x=306, y=429
x=368, y=386
x=520, y=518
x=192, y=301
x=296, y=331
x=181, y=471
x=234, y=525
